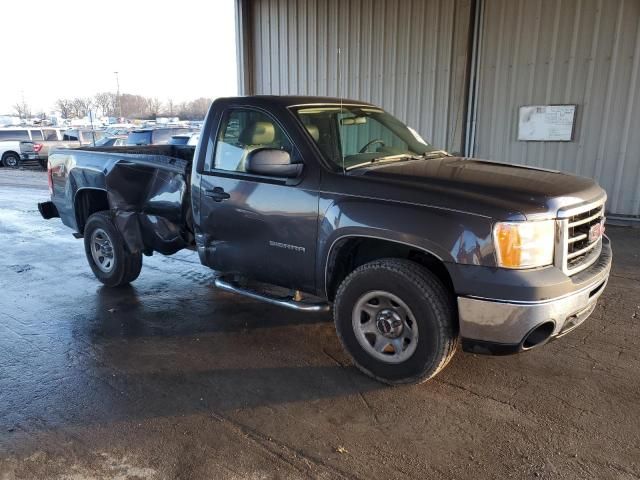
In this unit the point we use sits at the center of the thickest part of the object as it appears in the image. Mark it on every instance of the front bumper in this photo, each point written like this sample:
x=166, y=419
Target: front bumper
x=500, y=326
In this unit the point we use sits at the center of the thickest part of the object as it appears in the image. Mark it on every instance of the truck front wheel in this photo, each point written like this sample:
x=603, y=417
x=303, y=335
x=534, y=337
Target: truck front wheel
x=396, y=320
x=107, y=253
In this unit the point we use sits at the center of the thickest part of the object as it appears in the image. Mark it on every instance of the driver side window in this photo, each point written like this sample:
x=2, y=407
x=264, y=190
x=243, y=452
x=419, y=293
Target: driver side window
x=242, y=132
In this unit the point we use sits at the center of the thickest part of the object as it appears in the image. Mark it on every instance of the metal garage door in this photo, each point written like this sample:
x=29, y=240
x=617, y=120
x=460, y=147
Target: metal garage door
x=409, y=56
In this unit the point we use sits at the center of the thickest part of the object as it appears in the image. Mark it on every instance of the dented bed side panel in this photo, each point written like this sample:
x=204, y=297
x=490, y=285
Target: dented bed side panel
x=147, y=190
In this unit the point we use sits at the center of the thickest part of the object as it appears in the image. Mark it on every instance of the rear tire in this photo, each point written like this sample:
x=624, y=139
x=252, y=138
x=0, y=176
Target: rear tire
x=107, y=253
x=11, y=160
x=396, y=320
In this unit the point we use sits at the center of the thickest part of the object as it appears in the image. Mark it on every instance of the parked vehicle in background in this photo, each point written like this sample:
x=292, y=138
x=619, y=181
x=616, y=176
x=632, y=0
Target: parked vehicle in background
x=185, y=139
x=115, y=141
x=47, y=137
x=153, y=136
x=320, y=204
x=14, y=152
x=51, y=137
x=78, y=137
x=118, y=129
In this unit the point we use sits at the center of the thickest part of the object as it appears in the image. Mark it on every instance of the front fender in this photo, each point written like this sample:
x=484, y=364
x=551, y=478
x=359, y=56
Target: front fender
x=449, y=235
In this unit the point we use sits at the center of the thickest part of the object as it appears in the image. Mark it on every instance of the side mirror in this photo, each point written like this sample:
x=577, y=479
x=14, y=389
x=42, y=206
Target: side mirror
x=273, y=163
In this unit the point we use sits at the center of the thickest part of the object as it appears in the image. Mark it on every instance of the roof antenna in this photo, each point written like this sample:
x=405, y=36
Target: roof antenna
x=344, y=170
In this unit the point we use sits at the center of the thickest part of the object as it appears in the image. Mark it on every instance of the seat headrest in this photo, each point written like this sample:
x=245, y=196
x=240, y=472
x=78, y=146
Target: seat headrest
x=258, y=133
x=313, y=131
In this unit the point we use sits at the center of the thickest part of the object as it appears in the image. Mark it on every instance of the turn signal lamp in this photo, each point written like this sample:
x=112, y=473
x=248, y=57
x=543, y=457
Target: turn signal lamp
x=524, y=244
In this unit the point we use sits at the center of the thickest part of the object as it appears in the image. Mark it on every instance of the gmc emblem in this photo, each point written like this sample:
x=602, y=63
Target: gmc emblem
x=596, y=231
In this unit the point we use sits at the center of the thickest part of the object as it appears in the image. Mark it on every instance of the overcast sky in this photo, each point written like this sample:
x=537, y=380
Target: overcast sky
x=167, y=49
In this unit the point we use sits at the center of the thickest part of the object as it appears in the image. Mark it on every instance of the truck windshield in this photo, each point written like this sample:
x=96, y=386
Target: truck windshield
x=354, y=136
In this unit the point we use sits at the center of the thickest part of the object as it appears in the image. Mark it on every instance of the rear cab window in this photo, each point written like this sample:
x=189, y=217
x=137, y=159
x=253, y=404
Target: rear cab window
x=36, y=135
x=70, y=136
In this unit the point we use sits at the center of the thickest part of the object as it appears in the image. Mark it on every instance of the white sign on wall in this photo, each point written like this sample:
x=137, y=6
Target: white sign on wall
x=546, y=123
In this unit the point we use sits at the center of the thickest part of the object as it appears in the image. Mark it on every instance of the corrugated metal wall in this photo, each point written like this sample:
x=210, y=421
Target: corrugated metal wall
x=584, y=52
x=408, y=56
x=411, y=57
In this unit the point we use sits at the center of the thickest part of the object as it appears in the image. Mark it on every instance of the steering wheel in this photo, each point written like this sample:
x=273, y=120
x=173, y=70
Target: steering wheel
x=372, y=142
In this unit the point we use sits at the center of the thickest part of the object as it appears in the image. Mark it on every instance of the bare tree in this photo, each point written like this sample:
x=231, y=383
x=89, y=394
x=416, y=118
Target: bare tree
x=133, y=105
x=65, y=106
x=170, y=107
x=183, y=109
x=81, y=106
x=194, y=110
x=22, y=109
x=107, y=102
x=199, y=108
x=153, y=107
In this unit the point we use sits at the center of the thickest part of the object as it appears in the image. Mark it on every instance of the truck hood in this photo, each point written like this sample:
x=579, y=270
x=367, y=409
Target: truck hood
x=498, y=190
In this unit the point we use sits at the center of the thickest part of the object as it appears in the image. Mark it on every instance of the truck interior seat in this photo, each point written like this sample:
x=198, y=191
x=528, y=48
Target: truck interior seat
x=258, y=133
x=253, y=136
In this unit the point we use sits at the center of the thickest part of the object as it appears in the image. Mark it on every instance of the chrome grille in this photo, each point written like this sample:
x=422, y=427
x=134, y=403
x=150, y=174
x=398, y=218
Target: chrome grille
x=578, y=251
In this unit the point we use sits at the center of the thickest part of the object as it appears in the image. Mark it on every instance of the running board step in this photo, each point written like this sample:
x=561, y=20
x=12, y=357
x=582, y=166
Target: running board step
x=287, y=302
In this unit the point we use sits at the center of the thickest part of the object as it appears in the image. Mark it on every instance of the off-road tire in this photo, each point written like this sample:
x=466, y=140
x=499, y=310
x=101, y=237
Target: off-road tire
x=431, y=303
x=126, y=266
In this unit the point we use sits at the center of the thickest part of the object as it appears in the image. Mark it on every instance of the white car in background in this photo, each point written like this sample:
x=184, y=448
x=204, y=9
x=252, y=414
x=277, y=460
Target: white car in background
x=12, y=152
x=51, y=137
x=44, y=136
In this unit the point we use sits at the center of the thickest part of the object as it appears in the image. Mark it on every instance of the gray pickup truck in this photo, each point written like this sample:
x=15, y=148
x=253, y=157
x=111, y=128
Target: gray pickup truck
x=322, y=204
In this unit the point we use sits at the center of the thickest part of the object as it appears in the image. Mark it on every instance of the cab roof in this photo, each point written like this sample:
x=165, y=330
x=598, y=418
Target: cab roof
x=293, y=100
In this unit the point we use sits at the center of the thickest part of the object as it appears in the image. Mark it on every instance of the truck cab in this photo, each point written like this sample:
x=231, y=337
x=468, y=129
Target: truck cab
x=343, y=208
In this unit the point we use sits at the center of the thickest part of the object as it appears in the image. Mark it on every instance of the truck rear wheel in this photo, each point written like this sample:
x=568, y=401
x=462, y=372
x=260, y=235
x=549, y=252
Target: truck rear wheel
x=107, y=253
x=396, y=320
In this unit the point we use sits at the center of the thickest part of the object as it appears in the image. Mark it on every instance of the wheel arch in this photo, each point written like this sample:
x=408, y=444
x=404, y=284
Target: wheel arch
x=348, y=252
x=88, y=201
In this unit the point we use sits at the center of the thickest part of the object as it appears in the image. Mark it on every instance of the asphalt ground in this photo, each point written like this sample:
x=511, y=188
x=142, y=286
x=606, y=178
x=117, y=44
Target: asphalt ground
x=170, y=378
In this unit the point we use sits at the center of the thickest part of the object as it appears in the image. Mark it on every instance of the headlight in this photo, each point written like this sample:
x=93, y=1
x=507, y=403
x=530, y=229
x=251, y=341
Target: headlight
x=524, y=244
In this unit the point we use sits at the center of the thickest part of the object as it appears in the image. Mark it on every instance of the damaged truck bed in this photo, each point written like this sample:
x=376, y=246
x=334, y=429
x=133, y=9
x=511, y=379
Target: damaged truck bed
x=147, y=189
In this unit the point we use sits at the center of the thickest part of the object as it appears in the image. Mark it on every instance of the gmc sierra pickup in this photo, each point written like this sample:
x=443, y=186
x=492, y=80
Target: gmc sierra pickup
x=319, y=203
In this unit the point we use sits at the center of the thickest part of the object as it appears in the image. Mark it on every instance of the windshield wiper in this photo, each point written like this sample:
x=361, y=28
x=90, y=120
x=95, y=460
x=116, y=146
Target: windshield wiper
x=402, y=157
x=388, y=158
x=435, y=154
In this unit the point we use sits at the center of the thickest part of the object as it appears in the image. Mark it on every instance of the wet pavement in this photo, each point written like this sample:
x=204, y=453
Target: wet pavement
x=170, y=378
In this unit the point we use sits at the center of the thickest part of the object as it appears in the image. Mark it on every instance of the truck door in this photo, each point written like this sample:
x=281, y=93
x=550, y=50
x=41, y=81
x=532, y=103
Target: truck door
x=264, y=227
